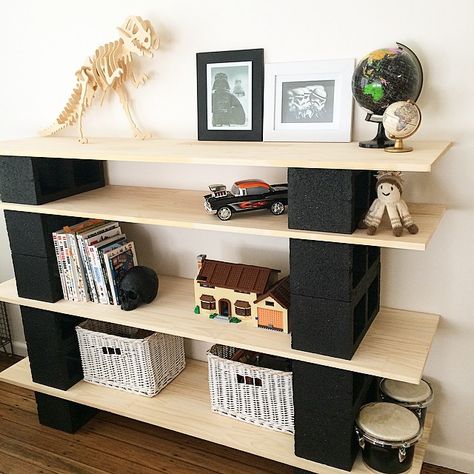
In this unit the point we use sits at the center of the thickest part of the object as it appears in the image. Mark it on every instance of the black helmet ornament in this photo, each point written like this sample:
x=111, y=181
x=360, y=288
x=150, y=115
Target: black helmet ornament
x=138, y=286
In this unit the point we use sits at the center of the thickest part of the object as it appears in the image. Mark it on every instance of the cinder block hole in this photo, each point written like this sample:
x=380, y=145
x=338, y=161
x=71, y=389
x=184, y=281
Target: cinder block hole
x=86, y=171
x=73, y=365
x=373, y=299
x=359, y=318
x=54, y=175
x=373, y=254
x=359, y=263
x=67, y=327
x=361, y=194
x=358, y=382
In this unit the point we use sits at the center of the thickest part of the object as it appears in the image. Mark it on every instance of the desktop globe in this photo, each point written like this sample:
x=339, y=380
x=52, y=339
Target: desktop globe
x=401, y=120
x=381, y=78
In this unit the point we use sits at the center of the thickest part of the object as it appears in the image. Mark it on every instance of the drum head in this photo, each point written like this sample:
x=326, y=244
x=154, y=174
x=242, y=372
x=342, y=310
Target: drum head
x=388, y=422
x=406, y=392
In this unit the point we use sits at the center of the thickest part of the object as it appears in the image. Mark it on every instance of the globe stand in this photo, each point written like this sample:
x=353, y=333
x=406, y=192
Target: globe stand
x=399, y=147
x=380, y=140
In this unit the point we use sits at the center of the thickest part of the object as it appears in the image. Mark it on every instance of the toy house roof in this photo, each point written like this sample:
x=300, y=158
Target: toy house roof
x=235, y=276
x=280, y=292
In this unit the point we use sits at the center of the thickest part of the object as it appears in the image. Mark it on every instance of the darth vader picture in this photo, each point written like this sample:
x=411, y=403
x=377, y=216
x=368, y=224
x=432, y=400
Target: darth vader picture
x=229, y=96
x=226, y=107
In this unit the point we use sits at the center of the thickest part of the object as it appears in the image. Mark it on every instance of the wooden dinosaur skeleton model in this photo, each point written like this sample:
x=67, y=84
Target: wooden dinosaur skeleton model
x=108, y=69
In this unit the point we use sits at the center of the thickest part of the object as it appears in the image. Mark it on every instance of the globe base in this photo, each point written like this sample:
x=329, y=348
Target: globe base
x=399, y=147
x=379, y=141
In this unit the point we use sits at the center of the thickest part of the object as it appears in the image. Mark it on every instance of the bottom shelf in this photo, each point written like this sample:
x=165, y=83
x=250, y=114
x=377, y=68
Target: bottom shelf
x=184, y=407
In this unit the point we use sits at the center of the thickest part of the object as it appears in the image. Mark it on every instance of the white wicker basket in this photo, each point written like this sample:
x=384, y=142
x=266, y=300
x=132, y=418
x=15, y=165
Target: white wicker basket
x=127, y=358
x=252, y=394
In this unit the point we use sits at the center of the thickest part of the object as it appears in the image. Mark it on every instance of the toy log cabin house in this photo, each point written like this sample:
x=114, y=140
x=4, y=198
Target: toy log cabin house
x=242, y=293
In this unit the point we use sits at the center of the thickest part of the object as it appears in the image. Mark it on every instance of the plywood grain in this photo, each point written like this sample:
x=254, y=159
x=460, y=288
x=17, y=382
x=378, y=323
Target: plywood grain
x=396, y=345
x=184, y=209
x=271, y=154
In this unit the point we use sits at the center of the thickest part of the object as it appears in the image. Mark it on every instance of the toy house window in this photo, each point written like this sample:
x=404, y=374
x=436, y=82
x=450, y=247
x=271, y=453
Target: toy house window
x=208, y=302
x=269, y=303
x=242, y=308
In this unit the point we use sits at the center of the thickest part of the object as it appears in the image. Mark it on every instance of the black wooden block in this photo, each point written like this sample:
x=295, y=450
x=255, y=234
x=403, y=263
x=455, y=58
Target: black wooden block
x=30, y=233
x=327, y=200
x=326, y=402
x=52, y=346
x=335, y=327
x=37, y=278
x=329, y=270
x=31, y=180
x=62, y=414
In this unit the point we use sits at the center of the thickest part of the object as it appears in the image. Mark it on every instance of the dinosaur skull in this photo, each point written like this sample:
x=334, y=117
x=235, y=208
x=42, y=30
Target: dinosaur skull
x=139, y=36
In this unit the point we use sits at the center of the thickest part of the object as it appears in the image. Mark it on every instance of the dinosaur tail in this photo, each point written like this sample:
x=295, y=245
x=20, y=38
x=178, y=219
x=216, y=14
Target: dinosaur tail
x=69, y=114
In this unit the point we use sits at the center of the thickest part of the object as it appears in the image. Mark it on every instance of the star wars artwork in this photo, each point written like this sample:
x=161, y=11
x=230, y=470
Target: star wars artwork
x=307, y=102
x=230, y=95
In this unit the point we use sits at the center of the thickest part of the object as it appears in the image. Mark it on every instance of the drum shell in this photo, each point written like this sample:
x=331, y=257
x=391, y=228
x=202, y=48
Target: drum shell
x=385, y=459
x=419, y=409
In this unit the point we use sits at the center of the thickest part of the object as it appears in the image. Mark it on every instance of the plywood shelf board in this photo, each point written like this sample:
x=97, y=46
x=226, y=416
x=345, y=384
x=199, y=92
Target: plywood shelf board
x=270, y=154
x=184, y=209
x=396, y=345
x=184, y=407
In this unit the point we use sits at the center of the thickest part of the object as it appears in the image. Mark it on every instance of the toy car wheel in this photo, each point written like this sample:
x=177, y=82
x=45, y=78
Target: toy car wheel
x=277, y=208
x=224, y=213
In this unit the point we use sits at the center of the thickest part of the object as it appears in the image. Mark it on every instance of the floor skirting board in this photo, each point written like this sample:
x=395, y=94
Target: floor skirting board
x=457, y=460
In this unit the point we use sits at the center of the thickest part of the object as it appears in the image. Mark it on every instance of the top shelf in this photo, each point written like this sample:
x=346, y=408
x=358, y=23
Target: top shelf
x=265, y=154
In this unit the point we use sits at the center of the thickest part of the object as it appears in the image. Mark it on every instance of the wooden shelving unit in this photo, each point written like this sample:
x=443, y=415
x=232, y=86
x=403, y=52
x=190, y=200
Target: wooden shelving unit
x=396, y=345
x=271, y=154
x=183, y=406
x=184, y=209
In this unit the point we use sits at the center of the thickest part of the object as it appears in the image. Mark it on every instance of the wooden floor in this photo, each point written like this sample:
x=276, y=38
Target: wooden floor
x=112, y=444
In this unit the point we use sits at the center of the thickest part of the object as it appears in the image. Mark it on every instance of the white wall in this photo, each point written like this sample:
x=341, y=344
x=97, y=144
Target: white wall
x=43, y=44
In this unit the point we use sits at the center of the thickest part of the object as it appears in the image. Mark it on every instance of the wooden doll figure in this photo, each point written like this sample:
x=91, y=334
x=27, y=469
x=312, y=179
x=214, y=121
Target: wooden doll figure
x=389, y=192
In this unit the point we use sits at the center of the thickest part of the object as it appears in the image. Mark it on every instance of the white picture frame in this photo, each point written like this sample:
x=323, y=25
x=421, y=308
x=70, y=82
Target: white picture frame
x=308, y=101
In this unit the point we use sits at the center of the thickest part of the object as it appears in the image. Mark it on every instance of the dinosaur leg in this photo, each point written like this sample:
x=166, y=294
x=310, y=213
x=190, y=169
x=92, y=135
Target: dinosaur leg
x=82, y=107
x=124, y=101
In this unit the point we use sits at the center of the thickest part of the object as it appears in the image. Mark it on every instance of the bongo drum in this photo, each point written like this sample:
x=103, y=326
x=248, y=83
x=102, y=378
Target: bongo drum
x=416, y=397
x=387, y=434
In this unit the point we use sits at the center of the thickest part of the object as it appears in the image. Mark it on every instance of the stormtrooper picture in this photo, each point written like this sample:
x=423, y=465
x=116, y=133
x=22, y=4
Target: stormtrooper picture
x=307, y=102
x=229, y=96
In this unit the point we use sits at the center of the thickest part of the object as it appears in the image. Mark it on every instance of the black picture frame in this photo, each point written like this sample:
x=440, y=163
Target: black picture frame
x=255, y=56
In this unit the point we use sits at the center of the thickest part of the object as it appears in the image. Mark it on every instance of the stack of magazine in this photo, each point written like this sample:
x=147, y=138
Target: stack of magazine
x=92, y=257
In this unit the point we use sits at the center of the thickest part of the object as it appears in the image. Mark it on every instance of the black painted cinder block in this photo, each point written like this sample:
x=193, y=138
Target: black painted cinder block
x=53, y=348
x=30, y=233
x=327, y=200
x=31, y=180
x=329, y=270
x=37, y=278
x=335, y=327
x=326, y=402
x=62, y=414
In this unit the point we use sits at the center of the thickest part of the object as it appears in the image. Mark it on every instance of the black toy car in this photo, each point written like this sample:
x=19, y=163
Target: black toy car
x=247, y=195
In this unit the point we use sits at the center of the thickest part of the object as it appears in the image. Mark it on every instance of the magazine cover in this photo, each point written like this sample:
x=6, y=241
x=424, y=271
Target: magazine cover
x=100, y=272
x=90, y=237
x=118, y=261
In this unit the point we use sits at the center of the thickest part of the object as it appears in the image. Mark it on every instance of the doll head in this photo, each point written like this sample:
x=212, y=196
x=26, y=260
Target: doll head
x=389, y=186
